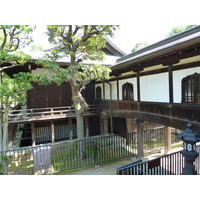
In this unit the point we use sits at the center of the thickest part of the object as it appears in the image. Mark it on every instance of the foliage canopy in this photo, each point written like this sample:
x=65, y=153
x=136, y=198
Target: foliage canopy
x=77, y=43
x=179, y=29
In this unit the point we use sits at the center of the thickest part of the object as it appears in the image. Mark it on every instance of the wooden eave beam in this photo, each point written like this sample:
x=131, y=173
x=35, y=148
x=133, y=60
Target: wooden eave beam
x=165, y=60
x=158, y=71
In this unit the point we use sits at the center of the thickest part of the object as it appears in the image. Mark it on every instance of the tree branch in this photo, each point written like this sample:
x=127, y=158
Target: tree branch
x=5, y=38
x=8, y=67
x=76, y=30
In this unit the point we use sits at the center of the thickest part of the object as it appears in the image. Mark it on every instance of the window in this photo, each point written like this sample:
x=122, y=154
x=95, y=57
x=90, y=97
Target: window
x=127, y=91
x=191, y=89
x=98, y=93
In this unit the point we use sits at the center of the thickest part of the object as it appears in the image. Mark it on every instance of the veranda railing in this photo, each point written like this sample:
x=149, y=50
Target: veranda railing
x=46, y=113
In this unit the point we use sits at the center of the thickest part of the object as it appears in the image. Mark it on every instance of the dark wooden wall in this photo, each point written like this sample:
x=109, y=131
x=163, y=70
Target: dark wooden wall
x=94, y=126
x=56, y=96
x=119, y=125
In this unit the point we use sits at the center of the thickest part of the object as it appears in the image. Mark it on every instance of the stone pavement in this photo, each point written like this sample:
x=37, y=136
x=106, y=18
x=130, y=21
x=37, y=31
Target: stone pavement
x=109, y=169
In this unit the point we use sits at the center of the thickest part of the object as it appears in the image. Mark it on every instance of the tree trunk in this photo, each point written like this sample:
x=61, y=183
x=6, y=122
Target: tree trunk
x=3, y=145
x=81, y=155
x=5, y=136
x=4, y=142
x=1, y=138
x=80, y=107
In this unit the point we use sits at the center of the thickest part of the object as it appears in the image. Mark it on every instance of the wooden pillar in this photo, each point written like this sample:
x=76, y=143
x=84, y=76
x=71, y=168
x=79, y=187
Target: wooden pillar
x=140, y=138
x=104, y=125
x=167, y=139
x=171, y=95
x=52, y=131
x=117, y=88
x=103, y=90
x=138, y=86
x=33, y=133
x=87, y=127
x=70, y=129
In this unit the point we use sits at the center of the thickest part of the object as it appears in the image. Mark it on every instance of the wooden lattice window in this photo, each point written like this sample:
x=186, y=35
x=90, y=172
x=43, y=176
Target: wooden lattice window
x=98, y=93
x=127, y=91
x=191, y=89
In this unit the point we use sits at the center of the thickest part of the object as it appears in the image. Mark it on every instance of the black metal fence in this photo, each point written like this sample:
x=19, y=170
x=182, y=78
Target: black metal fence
x=171, y=164
x=166, y=165
x=153, y=138
x=62, y=156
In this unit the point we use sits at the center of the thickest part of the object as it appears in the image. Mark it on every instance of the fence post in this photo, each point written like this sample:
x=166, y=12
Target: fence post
x=70, y=129
x=33, y=133
x=167, y=139
x=140, y=138
x=52, y=131
x=104, y=125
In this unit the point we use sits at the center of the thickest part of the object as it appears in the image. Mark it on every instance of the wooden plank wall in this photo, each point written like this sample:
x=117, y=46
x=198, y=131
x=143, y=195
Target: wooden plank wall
x=56, y=96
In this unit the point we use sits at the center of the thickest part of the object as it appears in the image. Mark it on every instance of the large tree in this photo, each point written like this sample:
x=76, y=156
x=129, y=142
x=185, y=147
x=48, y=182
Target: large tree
x=12, y=90
x=78, y=43
x=12, y=38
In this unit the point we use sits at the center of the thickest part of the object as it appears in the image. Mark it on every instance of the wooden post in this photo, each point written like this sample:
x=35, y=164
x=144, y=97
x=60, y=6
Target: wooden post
x=138, y=86
x=117, y=88
x=52, y=131
x=33, y=133
x=171, y=95
x=167, y=137
x=140, y=138
x=70, y=129
x=104, y=125
x=103, y=90
x=87, y=127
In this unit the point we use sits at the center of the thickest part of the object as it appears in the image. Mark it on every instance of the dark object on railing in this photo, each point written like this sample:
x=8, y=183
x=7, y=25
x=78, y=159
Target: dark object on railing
x=154, y=163
x=16, y=109
x=190, y=138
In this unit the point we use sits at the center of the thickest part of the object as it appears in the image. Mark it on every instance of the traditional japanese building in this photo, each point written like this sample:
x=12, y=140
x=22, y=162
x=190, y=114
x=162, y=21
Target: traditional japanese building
x=159, y=84
x=48, y=115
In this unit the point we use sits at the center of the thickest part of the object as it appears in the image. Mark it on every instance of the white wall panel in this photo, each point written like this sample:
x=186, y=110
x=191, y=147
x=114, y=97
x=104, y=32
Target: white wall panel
x=154, y=88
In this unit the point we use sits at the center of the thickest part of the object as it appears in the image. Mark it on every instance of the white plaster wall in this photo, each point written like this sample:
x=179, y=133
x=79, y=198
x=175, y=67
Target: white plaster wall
x=107, y=90
x=114, y=90
x=177, y=78
x=154, y=88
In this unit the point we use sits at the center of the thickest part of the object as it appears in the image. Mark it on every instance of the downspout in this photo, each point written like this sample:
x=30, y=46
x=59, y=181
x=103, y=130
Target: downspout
x=111, y=115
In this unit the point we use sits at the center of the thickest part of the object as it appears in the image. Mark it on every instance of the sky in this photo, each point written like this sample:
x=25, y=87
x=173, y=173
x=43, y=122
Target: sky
x=125, y=38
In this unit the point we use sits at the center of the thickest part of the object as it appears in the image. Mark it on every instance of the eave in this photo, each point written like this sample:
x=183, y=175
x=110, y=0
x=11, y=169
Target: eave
x=167, y=51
